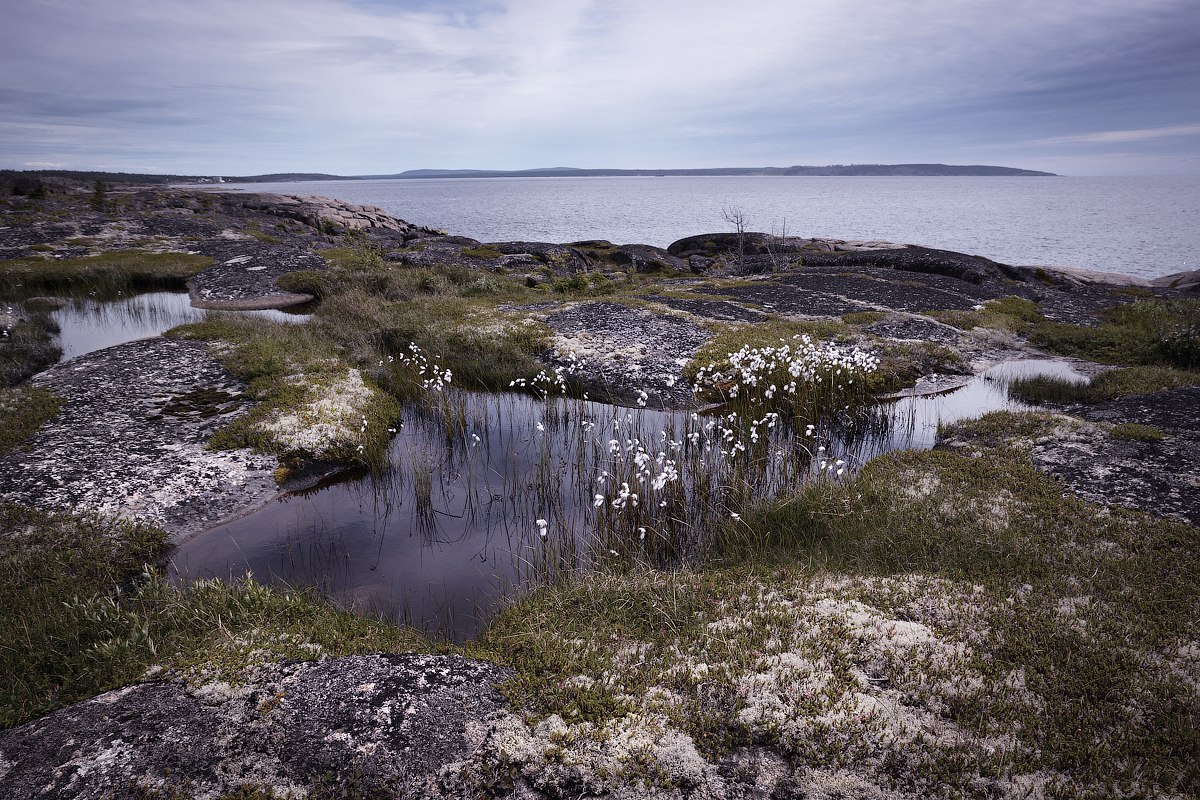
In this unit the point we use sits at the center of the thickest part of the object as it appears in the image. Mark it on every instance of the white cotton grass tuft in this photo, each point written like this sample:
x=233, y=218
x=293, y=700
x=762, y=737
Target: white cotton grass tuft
x=803, y=375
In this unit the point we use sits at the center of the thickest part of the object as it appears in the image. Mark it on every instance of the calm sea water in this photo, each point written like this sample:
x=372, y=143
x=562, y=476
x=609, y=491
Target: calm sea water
x=1140, y=226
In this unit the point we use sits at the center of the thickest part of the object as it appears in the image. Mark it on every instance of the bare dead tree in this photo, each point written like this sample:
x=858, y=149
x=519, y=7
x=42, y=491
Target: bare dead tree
x=777, y=247
x=736, y=217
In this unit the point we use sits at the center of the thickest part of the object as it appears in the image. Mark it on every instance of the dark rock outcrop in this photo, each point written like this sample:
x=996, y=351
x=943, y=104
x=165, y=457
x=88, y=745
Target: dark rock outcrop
x=1181, y=281
x=383, y=724
x=560, y=259
x=618, y=351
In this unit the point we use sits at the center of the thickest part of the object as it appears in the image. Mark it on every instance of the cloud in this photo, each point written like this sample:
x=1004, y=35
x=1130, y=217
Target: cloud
x=45, y=164
x=1106, y=137
x=368, y=86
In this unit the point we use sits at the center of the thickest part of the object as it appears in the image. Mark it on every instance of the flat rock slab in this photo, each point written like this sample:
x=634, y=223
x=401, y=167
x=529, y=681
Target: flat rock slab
x=915, y=329
x=130, y=440
x=245, y=272
x=622, y=350
x=1158, y=477
x=383, y=724
x=721, y=310
x=825, y=292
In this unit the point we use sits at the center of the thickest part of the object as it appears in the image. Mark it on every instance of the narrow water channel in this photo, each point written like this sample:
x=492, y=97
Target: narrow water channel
x=453, y=526
x=88, y=325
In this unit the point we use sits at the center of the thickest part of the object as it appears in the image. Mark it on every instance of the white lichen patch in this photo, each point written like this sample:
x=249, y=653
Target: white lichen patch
x=851, y=680
x=331, y=415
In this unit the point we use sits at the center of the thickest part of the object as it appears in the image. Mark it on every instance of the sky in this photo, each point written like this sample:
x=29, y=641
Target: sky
x=353, y=87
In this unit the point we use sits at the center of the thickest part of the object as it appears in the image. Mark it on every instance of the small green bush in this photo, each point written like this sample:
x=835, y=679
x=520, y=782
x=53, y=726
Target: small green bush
x=1136, y=432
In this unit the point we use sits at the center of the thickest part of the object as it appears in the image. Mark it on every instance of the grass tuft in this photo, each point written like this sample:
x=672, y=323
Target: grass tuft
x=1136, y=432
x=27, y=348
x=22, y=411
x=85, y=615
x=1108, y=385
x=1145, y=332
x=104, y=275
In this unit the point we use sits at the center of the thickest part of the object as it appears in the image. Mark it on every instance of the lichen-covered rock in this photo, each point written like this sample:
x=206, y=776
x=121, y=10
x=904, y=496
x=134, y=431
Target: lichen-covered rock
x=380, y=724
x=326, y=213
x=620, y=352
x=131, y=440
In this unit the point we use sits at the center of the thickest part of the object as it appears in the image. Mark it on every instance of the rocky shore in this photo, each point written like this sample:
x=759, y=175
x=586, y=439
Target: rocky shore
x=133, y=435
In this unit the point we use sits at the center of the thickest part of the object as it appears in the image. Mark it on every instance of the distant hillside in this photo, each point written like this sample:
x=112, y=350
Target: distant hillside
x=92, y=177
x=20, y=182
x=933, y=170
x=279, y=177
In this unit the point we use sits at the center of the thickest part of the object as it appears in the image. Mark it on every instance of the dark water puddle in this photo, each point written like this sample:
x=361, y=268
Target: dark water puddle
x=453, y=526
x=88, y=325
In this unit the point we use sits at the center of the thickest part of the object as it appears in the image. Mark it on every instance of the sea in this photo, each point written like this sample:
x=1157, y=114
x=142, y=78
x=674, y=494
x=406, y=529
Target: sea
x=1143, y=226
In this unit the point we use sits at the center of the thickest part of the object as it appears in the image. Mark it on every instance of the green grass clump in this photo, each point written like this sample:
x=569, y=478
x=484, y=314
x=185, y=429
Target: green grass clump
x=51, y=564
x=104, y=274
x=595, y=283
x=732, y=338
x=999, y=429
x=900, y=363
x=28, y=348
x=318, y=283
x=1136, y=432
x=258, y=233
x=483, y=253
x=358, y=256
x=83, y=616
x=1108, y=385
x=22, y=411
x=864, y=317
x=1014, y=314
x=290, y=370
x=1145, y=332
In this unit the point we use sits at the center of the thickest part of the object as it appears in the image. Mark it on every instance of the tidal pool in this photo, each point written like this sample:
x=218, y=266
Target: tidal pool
x=489, y=494
x=89, y=325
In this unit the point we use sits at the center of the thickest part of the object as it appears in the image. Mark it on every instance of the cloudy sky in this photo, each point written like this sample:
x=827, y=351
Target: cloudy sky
x=1081, y=87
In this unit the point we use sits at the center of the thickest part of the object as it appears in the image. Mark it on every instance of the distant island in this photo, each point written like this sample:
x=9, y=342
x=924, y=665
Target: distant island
x=16, y=178
x=938, y=170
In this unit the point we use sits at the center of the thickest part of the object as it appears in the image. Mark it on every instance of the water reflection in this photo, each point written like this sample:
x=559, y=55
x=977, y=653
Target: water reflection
x=452, y=526
x=88, y=325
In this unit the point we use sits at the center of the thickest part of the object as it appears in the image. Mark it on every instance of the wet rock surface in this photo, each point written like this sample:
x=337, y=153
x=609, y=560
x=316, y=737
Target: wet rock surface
x=383, y=724
x=131, y=440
